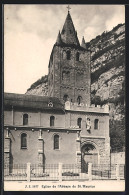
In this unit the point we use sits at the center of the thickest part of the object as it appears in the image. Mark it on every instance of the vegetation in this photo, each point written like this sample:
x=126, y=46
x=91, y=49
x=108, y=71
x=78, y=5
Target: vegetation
x=96, y=100
x=117, y=135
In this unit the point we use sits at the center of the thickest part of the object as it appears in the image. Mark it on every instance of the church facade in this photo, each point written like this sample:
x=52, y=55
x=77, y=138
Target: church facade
x=63, y=126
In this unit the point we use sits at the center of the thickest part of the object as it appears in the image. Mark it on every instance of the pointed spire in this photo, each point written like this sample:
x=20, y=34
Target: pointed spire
x=58, y=41
x=83, y=44
x=68, y=34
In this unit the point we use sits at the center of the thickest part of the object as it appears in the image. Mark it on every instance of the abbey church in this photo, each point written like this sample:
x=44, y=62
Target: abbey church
x=63, y=126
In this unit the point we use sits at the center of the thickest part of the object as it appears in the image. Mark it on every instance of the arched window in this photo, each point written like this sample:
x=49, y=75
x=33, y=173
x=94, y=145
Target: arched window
x=96, y=124
x=68, y=55
x=23, y=141
x=56, y=142
x=52, y=119
x=79, y=100
x=77, y=56
x=25, y=119
x=65, y=98
x=79, y=121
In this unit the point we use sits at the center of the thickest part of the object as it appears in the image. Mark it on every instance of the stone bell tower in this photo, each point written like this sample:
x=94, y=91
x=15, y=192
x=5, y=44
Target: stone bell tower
x=69, y=67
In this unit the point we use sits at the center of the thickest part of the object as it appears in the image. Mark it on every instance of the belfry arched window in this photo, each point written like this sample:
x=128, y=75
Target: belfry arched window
x=65, y=98
x=25, y=119
x=96, y=124
x=77, y=56
x=23, y=141
x=68, y=55
x=79, y=121
x=56, y=142
x=52, y=120
x=79, y=100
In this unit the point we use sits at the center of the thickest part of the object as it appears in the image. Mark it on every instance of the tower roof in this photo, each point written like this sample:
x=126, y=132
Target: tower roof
x=83, y=44
x=58, y=41
x=68, y=34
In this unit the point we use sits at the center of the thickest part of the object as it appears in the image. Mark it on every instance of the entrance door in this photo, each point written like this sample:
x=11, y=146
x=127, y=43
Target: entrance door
x=91, y=158
x=89, y=155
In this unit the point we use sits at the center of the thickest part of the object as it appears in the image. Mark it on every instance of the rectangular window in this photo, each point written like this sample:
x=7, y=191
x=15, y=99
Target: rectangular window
x=23, y=141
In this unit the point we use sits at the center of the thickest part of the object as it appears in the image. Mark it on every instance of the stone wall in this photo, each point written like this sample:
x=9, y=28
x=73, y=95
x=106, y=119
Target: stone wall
x=72, y=86
x=65, y=154
x=118, y=158
x=102, y=146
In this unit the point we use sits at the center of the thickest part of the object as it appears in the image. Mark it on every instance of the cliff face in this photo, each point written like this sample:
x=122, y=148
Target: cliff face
x=40, y=87
x=107, y=78
x=108, y=68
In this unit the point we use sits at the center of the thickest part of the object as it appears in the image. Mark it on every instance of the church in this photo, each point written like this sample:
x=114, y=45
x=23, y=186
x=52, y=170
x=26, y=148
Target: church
x=63, y=126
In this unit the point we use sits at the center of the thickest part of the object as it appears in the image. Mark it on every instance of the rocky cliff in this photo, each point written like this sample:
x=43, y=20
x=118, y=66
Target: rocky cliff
x=40, y=87
x=107, y=79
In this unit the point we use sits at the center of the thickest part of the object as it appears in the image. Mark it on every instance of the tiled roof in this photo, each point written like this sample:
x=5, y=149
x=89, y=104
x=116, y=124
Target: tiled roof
x=32, y=101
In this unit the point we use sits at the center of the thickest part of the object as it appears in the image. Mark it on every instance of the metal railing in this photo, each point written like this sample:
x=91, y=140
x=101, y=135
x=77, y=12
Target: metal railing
x=47, y=172
x=103, y=172
x=72, y=172
x=63, y=172
x=122, y=171
x=15, y=172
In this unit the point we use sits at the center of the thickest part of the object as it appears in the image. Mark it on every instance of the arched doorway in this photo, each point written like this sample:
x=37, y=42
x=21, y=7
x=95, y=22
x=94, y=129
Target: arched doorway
x=89, y=155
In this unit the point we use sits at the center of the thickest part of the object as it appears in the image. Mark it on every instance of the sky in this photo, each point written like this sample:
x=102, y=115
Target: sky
x=30, y=32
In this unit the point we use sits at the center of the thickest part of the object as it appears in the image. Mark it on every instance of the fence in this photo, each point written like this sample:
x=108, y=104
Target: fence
x=47, y=172
x=104, y=172
x=15, y=172
x=62, y=172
